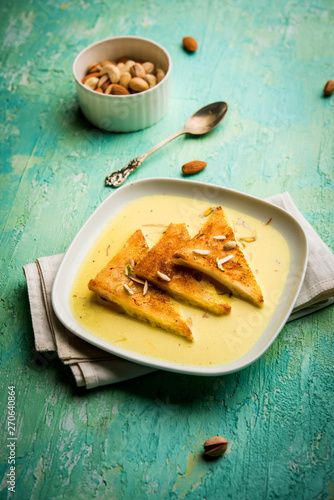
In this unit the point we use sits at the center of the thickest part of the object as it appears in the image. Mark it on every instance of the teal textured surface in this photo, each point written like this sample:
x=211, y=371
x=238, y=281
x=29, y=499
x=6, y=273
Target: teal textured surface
x=143, y=438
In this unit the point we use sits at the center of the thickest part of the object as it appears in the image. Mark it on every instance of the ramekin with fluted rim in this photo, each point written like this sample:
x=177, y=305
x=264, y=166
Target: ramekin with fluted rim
x=124, y=113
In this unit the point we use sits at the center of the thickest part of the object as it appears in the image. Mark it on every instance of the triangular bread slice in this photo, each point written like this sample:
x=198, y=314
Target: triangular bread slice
x=235, y=273
x=181, y=283
x=155, y=307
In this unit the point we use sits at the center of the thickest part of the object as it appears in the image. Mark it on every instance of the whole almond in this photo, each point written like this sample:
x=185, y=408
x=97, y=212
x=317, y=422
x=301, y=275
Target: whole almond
x=117, y=89
x=125, y=79
x=148, y=67
x=329, y=88
x=137, y=71
x=122, y=60
x=192, y=167
x=138, y=84
x=189, y=44
x=100, y=91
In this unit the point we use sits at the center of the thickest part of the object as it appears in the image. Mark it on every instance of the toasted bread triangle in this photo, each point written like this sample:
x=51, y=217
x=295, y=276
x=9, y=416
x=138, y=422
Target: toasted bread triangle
x=236, y=275
x=155, y=307
x=184, y=283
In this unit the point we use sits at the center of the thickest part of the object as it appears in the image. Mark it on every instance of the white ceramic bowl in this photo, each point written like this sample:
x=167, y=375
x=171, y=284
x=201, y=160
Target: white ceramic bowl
x=119, y=113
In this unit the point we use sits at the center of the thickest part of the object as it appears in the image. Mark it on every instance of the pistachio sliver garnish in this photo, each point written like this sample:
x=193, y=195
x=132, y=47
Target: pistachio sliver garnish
x=128, y=270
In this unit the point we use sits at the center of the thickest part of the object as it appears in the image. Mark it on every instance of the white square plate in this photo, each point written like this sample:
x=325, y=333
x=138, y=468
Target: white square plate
x=84, y=240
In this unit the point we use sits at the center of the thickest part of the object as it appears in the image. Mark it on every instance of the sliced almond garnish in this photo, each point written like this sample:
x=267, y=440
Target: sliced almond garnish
x=127, y=289
x=219, y=237
x=136, y=280
x=201, y=252
x=207, y=212
x=224, y=259
x=163, y=276
x=131, y=262
x=219, y=265
x=248, y=239
x=145, y=287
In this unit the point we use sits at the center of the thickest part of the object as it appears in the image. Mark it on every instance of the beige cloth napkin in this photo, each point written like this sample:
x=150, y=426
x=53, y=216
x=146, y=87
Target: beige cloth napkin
x=93, y=367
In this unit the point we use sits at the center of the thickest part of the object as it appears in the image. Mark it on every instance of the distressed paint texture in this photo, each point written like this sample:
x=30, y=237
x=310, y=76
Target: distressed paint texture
x=143, y=438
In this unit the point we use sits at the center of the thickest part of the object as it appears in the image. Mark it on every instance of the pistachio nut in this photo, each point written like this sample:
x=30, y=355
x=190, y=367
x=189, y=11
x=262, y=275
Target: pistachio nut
x=138, y=84
x=104, y=82
x=128, y=64
x=108, y=89
x=148, y=67
x=137, y=71
x=151, y=80
x=92, y=68
x=160, y=75
x=215, y=446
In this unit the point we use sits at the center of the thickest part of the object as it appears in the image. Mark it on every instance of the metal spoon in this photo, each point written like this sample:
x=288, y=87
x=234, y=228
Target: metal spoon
x=201, y=122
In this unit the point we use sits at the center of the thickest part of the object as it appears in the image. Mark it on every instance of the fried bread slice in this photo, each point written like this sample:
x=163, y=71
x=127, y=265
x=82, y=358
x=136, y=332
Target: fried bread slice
x=235, y=273
x=181, y=283
x=154, y=306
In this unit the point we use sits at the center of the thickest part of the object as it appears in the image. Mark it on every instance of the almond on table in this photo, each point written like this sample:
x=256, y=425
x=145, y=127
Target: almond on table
x=192, y=167
x=189, y=44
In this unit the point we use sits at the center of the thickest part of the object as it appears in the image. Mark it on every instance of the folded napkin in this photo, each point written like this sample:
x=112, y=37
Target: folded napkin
x=93, y=367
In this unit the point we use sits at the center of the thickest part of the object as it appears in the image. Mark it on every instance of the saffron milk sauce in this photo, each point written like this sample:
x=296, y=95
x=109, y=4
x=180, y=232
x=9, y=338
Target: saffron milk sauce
x=218, y=339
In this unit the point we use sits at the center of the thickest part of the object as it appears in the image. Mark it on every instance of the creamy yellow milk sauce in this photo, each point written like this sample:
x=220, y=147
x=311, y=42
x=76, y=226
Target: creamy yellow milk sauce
x=218, y=339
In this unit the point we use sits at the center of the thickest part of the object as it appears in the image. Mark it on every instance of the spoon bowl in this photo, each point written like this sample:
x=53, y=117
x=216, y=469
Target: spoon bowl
x=201, y=122
x=206, y=119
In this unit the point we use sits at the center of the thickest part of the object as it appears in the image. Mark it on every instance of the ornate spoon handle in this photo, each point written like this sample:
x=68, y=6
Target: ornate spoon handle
x=117, y=178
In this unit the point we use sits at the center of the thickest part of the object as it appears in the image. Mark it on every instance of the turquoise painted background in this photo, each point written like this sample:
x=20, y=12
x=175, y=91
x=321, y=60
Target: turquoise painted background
x=143, y=438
